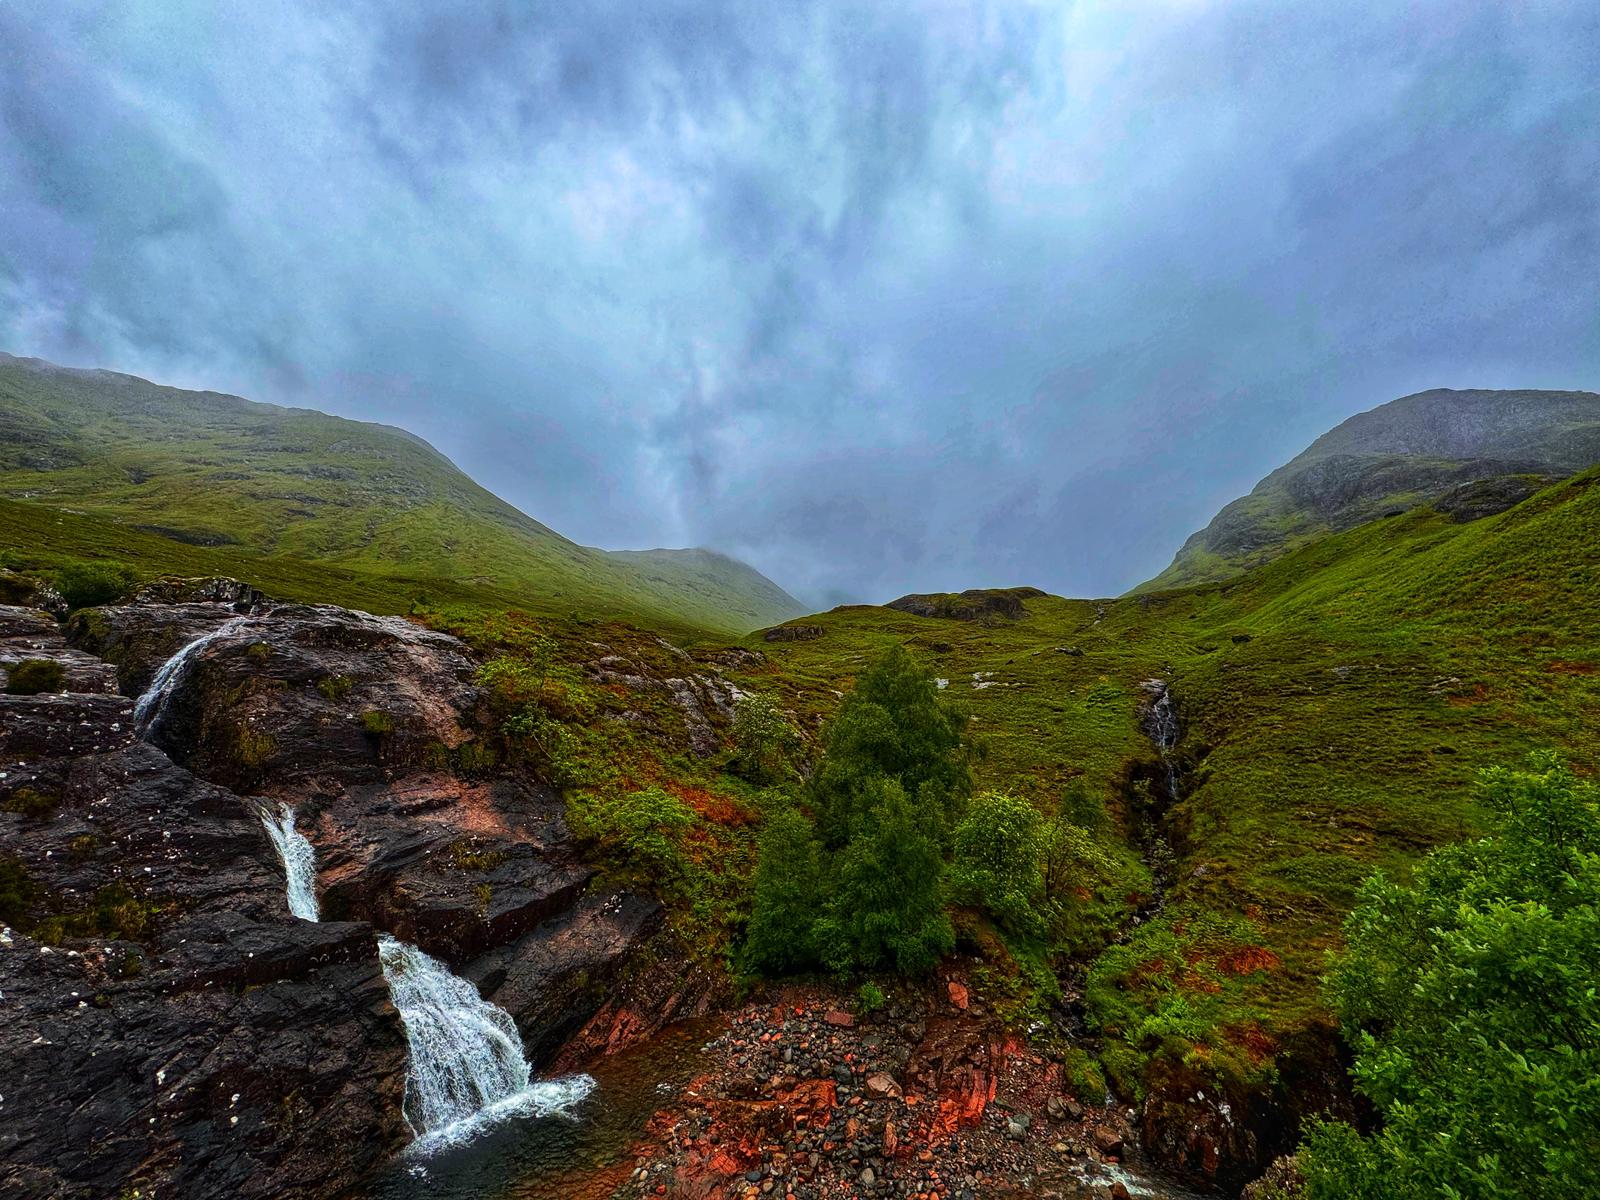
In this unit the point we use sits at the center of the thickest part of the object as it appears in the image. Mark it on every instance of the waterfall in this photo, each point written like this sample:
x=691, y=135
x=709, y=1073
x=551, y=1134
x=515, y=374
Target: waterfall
x=467, y=1067
x=151, y=706
x=298, y=857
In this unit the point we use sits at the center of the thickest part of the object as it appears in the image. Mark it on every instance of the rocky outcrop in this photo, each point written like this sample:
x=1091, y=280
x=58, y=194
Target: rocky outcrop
x=975, y=604
x=793, y=633
x=175, y=1029
x=31, y=635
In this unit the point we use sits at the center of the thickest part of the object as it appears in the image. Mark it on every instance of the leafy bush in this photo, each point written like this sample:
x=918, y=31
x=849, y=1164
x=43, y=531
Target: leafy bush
x=891, y=779
x=639, y=831
x=997, y=865
x=83, y=584
x=1471, y=1000
x=764, y=741
x=32, y=676
x=870, y=997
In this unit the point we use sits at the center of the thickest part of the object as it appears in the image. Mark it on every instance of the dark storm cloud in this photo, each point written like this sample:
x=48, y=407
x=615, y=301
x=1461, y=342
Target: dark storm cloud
x=880, y=297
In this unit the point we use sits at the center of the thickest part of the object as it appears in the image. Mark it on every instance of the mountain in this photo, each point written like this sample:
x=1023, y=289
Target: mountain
x=220, y=473
x=1473, y=452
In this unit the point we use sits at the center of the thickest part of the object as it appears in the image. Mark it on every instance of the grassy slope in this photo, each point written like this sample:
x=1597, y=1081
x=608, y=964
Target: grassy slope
x=1395, y=457
x=293, y=484
x=1383, y=667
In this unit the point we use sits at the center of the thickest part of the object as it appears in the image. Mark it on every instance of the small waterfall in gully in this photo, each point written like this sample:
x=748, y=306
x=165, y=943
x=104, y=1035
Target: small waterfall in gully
x=467, y=1064
x=298, y=857
x=151, y=706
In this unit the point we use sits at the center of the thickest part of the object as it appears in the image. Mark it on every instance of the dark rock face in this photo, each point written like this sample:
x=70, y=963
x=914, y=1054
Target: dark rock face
x=793, y=633
x=31, y=634
x=170, y=1025
x=974, y=604
x=1486, y=497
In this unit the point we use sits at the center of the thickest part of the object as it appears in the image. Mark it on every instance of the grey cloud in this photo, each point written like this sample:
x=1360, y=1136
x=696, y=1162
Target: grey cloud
x=880, y=297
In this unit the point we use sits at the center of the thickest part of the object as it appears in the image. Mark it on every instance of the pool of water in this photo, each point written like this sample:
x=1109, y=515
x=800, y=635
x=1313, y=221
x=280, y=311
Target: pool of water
x=583, y=1155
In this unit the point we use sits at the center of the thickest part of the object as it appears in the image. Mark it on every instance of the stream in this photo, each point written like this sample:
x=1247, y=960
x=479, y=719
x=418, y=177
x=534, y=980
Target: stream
x=584, y=1154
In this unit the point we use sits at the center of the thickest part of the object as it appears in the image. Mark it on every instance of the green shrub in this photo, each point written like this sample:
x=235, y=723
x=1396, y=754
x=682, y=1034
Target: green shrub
x=886, y=902
x=638, y=831
x=893, y=726
x=764, y=741
x=997, y=867
x=32, y=676
x=1470, y=997
x=83, y=584
x=870, y=997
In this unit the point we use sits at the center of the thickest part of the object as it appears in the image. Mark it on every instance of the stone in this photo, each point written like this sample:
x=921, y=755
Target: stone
x=958, y=994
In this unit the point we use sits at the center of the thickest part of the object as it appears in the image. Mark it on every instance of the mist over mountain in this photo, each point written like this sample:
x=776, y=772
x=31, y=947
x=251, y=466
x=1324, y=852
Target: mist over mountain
x=879, y=298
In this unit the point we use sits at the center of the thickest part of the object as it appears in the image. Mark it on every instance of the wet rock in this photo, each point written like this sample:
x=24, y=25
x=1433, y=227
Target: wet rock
x=958, y=994
x=30, y=634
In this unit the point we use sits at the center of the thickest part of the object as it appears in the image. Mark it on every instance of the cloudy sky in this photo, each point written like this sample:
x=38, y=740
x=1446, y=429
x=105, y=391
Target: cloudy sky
x=878, y=296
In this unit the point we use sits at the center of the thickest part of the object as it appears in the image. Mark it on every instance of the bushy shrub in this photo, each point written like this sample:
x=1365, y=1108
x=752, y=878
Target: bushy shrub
x=764, y=741
x=32, y=676
x=83, y=584
x=639, y=831
x=997, y=867
x=1470, y=997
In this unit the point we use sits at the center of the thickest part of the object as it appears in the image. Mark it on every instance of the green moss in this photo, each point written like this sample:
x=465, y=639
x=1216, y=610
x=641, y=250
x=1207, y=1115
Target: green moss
x=17, y=891
x=258, y=652
x=115, y=912
x=252, y=747
x=32, y=676
x=468, y=855
x=335, y=687
x=32, y=803
x=377, y=724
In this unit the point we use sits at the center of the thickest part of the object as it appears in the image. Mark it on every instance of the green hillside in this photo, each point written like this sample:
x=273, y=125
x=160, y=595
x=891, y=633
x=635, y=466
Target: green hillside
x=1337, y=705
x=1473, y=452
x=259, y=481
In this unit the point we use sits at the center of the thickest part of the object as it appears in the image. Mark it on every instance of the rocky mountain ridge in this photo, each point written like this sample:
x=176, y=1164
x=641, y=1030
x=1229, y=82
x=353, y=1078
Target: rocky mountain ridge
x=1472, y=453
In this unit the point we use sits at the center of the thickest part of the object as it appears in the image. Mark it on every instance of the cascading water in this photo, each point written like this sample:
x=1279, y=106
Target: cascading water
x=298, y=857
x=467, y=1065
x=151, y=706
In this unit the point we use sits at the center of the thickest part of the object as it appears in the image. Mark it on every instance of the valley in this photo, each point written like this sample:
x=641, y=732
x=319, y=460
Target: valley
x=560, y=794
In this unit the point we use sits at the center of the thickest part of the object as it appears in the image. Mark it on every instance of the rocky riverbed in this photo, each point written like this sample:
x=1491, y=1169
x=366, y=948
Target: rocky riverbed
x=801, y=1097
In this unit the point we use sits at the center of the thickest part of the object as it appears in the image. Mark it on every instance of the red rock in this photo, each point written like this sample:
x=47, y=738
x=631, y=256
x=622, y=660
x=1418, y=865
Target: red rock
x=837, y=1016
x=958, y=994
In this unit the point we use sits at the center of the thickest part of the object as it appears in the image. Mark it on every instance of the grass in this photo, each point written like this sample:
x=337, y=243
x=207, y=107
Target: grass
x=1338, y=703
x=284, y=486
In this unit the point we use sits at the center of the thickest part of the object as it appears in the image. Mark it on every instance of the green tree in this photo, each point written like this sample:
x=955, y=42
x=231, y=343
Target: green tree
x=893, y=726
x=1472, y=998
x=999, y=847
x=886, y=907
x=764, y=741
x=788, y=896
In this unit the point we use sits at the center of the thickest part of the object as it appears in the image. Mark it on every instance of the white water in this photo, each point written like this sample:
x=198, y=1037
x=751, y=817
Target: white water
x=467, y=1066
x=152, y=705
x=298, y=857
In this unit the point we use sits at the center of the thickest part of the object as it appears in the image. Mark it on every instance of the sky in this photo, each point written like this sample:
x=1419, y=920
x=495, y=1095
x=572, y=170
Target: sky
x=878, y=297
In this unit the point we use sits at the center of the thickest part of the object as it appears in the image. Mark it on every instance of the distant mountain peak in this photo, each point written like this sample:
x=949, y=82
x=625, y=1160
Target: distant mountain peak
x=1402, y=454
